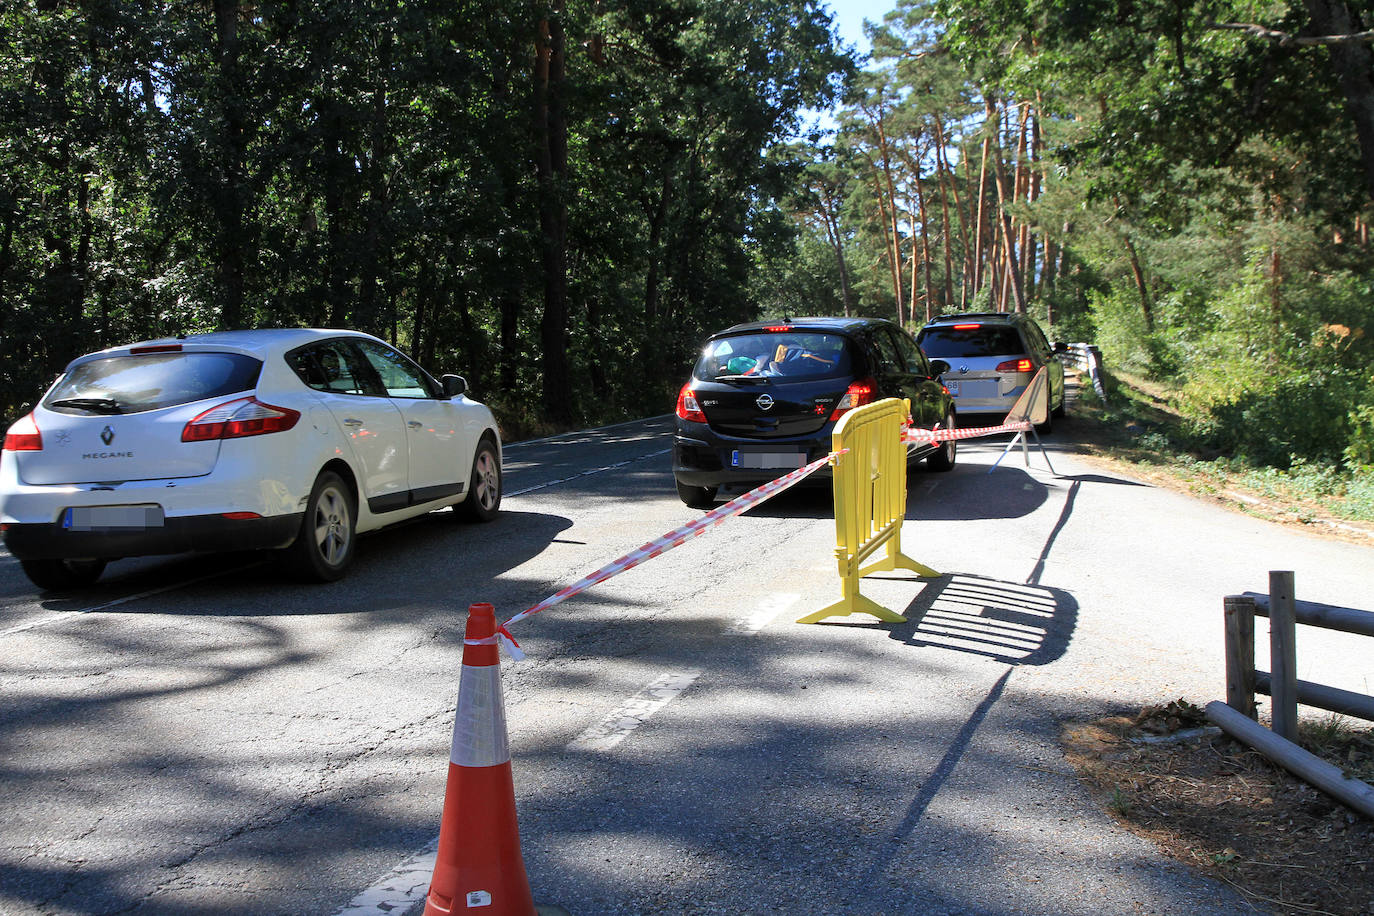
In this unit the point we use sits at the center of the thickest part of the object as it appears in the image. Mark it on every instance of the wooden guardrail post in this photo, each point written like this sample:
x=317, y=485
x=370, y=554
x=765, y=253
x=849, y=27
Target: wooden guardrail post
x=1240, y=653
x=1283, y=654
x=1279, y=742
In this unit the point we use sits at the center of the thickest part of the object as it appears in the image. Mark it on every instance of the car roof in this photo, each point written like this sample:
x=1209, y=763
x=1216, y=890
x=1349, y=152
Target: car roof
x=1008, y=317
x=257, y=342
x=814, y=323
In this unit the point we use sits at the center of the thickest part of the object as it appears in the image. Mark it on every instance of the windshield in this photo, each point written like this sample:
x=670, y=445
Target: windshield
x=954, y=342
x=791, y=354
x=130, y=384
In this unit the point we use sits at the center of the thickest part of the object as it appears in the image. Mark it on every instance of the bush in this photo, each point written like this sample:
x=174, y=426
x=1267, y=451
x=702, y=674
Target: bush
x=1359, y=449
x=1272, y=419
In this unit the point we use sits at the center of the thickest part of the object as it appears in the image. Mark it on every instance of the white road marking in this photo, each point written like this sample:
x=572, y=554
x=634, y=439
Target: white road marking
x=613, y=729
x=769, y=608
x=399, y=889
x=406, y=885
x=609, y=467
x=63, y=615
x=582, y=432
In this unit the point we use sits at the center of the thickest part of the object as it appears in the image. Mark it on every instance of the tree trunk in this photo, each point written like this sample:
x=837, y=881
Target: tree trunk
x=1353, y=64
x=925, y=250
x=374, y=246
x=1004, y=195
x=830, y=216
x=946, y=186
x=551, y=129
x=1146, y=306
x=979, y=233
x=895, y=248
x=656, y=223
x=233, y=146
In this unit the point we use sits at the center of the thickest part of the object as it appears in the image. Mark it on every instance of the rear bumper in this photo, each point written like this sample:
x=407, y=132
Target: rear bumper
x=701, y=463
x=184, y=534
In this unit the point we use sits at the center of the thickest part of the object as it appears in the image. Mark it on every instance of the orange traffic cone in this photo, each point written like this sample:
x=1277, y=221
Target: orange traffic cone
x=479, y=863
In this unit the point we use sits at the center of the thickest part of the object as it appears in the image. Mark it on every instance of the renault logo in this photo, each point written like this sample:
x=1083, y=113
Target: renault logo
x=765, y=402
x=107, y=435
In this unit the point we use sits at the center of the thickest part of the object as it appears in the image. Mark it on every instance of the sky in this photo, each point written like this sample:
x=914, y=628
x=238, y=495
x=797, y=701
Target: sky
x=850, y=16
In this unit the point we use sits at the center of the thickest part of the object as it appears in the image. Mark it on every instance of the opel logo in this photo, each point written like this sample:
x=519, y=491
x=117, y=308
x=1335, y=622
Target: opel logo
x=107, y=435
x=765, y=402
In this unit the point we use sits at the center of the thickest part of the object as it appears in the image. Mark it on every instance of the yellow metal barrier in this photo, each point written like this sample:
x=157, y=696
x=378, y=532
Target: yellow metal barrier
x=870, y=504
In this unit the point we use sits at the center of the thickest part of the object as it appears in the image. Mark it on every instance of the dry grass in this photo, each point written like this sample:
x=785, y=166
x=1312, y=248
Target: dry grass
x=1213, y=803
x=1210, y=801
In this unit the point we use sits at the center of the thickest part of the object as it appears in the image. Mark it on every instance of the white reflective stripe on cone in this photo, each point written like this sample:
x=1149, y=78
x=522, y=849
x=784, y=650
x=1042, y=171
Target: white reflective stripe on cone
x=479, y=730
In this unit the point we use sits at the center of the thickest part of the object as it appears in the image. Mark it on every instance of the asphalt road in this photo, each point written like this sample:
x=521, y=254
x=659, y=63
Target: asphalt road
x=196, y=735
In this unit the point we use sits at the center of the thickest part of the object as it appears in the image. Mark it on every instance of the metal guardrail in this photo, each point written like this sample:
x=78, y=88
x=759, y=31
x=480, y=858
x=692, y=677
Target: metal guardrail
x=1087, y=359
x=869, y=479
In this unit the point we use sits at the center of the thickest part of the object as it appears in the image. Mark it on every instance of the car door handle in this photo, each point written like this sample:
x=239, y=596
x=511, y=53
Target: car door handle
x=352, y=422
x=414, y=424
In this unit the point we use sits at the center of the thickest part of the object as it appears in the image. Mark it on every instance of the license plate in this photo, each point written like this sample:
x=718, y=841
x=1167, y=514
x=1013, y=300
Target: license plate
x=776, y=460
x=104, y=518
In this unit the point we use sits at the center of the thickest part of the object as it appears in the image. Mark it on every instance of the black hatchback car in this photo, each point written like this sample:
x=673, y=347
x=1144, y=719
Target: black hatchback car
x=764, y=398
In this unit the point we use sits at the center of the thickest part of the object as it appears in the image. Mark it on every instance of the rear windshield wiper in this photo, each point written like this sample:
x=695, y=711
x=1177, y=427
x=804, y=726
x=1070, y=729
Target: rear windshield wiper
x=751, y=379
x=94, y=405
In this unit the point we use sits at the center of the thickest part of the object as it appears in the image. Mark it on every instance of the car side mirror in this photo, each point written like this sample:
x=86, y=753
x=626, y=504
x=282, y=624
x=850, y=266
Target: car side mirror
x=1061, y=347
x=454, y=385
x=938, y=367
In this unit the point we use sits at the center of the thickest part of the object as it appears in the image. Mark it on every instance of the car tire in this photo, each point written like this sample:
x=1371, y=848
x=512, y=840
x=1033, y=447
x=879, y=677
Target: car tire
x=57, y=575
x=1063, y=409
x=942, y=459
x=696, y=497
x=324, y=547
x=1047, y=427
x=483, y=502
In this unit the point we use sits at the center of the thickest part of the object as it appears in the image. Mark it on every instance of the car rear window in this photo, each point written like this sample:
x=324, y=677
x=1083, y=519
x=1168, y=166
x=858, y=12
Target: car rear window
x=149, y=381
x=956, y=342
x=777, y=355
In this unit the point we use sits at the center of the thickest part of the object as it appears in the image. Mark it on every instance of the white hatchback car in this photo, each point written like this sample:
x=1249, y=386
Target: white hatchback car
x=290, y=440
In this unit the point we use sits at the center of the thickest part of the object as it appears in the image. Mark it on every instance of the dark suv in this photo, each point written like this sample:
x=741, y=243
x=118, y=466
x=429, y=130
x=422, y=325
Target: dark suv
x=992, y=358
x=764, y=398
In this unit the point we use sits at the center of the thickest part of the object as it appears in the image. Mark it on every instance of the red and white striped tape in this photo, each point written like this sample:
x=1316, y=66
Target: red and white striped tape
x=675, y=538
x=699, y=526
x=946, y=435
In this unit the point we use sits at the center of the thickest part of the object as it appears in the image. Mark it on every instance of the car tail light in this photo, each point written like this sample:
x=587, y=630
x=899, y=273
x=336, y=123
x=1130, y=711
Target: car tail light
x=688, y=408
x=777, y=328
x=236, y=419
x=859, y=394
x=967, y=327
x=1016, y=365
x=24, y=436
x=155, y=348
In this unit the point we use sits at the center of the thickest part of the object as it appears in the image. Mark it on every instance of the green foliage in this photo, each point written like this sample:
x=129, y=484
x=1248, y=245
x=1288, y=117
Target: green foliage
x=166, y=169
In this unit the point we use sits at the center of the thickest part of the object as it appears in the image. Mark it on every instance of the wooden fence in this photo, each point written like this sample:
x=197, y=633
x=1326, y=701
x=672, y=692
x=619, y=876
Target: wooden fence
x=1237, y=716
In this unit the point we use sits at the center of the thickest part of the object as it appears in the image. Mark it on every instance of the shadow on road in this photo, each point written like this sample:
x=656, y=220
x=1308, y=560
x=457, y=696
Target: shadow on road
x=1004, y=621
x=393, y=568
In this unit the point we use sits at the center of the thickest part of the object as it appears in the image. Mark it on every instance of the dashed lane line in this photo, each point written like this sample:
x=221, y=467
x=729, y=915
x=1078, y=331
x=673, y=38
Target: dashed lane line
x=398, y=890
x=587, y=473
x=637, y=710
x=137, y=596
x=405, y=885
x=767, y=609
